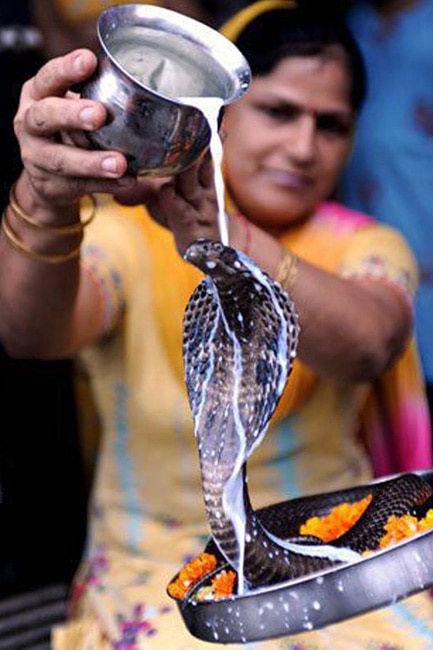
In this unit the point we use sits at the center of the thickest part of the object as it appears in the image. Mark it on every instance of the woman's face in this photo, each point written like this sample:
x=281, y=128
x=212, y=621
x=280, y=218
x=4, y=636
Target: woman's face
x=288, y=139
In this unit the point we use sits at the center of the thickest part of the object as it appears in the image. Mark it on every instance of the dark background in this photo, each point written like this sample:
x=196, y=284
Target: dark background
x=42, y=497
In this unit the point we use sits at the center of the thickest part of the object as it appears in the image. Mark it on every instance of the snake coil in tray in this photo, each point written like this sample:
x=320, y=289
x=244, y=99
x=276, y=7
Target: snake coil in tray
x=275, y=578
x=315, y=600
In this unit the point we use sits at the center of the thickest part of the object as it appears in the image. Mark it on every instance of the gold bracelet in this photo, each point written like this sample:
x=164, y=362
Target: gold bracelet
x=67, y=229
x=33, y=255
x=287, y=271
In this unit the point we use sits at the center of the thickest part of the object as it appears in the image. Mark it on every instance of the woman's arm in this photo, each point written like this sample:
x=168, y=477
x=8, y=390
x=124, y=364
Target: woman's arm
x=351, y=329
x=51, y=309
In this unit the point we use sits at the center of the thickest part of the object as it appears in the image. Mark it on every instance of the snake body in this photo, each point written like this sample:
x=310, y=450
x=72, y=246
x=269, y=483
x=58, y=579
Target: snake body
x=240, y=340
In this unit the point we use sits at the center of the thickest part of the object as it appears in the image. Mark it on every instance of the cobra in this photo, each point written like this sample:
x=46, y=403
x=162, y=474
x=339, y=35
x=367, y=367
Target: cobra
x=240, y=340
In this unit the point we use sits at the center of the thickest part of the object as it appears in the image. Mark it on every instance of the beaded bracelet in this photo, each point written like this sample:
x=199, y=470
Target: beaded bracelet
x=66, y=229
x=33, y=255
x=288, y=271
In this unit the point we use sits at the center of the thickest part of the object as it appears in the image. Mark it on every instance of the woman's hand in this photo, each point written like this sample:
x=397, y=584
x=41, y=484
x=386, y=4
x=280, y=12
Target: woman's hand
x=59, y=167
x=49, y=126
x=189, y=204
x=185, y=203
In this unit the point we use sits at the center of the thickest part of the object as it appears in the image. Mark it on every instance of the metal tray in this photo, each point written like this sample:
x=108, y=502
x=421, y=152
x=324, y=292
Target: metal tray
x=317, y=600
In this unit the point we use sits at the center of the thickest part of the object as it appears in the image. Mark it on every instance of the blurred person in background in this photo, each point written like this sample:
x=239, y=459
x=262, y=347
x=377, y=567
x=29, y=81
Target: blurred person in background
x=390, y=174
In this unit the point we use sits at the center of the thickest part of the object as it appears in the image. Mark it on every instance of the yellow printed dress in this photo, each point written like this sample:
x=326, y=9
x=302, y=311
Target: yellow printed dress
x=147, y=515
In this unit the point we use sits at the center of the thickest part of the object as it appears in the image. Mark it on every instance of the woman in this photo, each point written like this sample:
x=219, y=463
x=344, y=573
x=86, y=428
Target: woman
x=118, y=299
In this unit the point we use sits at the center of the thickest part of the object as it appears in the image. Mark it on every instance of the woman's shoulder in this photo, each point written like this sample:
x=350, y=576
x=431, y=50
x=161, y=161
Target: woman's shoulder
x=358, y=231
x=342, y=217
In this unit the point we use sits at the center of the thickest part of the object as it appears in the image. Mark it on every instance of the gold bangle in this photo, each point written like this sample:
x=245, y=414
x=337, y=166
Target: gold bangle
x=67, y=229
x=33, y=255
x=287, y=271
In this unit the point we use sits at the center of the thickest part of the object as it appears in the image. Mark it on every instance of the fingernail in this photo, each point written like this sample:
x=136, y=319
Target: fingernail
x=109, y=164
x=78, y=63
x=87, y=117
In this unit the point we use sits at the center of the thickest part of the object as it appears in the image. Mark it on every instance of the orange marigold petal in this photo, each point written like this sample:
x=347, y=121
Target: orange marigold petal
x=191, y=573
x=223, y=584
x=400, y=528
x=176, y=591
x=337, y=522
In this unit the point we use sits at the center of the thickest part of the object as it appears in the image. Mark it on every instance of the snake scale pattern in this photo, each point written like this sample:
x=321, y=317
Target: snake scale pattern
x=240, y=340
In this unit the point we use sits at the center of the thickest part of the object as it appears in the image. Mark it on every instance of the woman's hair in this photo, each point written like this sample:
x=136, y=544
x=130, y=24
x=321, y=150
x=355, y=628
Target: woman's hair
x=279, y=33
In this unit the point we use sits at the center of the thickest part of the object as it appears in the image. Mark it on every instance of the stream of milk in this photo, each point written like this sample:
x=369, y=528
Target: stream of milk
x=147, y=63
x=211, y=107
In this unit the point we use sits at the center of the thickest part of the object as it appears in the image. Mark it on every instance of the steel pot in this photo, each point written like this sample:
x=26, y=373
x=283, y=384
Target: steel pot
x=151, y=61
